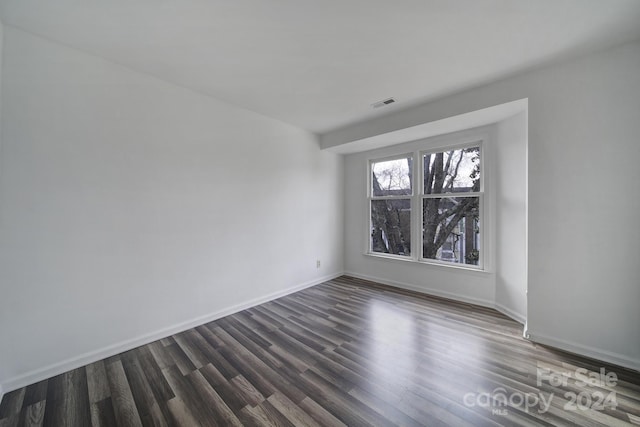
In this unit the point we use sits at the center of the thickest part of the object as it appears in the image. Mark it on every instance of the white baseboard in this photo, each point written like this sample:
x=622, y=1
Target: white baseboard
x=582, y=350
x=594, y=353
x=429, y=291
x=111, y=350
x=424, y=290
x=510, y=313
x=93, y=356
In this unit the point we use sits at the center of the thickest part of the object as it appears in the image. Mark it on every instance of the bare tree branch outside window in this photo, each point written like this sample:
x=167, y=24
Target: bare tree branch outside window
x=450, y=205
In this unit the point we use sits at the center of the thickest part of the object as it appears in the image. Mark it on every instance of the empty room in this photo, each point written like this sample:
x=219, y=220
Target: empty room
x=320, y=213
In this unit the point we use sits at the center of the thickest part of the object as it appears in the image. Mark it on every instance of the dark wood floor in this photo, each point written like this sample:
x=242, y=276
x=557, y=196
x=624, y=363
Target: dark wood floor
x=347, y=352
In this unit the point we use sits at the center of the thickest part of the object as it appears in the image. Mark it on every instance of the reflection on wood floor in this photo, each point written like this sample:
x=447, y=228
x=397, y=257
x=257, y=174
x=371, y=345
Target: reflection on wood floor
x=346, y=352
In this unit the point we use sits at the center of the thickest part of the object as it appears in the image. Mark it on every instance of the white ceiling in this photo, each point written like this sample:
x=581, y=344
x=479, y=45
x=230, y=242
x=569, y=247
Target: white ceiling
x=320, y=64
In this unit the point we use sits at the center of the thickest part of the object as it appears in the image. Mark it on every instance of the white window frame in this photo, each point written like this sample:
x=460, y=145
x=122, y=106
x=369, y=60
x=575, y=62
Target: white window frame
x=410, y=197
x=419, y=149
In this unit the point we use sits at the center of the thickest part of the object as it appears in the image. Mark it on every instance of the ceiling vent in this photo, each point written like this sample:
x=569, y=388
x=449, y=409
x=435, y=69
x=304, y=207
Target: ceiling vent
x=383, y=103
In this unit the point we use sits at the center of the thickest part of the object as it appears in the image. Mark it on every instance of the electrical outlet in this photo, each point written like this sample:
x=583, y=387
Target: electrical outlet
x=318, y=264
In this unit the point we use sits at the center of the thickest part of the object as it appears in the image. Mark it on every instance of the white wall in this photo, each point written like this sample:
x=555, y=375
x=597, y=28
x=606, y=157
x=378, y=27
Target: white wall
x=584, y=242
x=130, y=207
x=511, y=211
x=503, y=285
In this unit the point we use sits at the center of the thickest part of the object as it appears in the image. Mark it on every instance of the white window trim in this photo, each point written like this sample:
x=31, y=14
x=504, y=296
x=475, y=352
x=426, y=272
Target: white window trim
x=371, y=197
x=458, y=140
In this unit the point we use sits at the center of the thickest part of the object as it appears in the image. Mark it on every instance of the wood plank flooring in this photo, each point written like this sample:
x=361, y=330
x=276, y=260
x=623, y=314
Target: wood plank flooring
x=346, y=352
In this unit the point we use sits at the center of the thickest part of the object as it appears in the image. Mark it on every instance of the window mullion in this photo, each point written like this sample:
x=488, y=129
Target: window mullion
x=418, y=189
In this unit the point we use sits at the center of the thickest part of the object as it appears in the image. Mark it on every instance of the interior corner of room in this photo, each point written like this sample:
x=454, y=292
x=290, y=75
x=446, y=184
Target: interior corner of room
x=132, y=208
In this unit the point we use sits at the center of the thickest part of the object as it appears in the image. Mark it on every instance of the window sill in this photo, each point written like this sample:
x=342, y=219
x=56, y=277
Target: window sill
x=450, y=267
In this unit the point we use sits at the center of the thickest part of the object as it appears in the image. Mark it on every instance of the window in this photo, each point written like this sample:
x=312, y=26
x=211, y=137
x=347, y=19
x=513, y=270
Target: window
x=432, y=212
x=391, y=191
x=450, y=201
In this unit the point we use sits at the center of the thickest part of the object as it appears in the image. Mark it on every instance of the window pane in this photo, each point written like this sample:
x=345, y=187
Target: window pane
x=391, y=226
x=451, y=229
x=391, y=177
x=453, y=171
